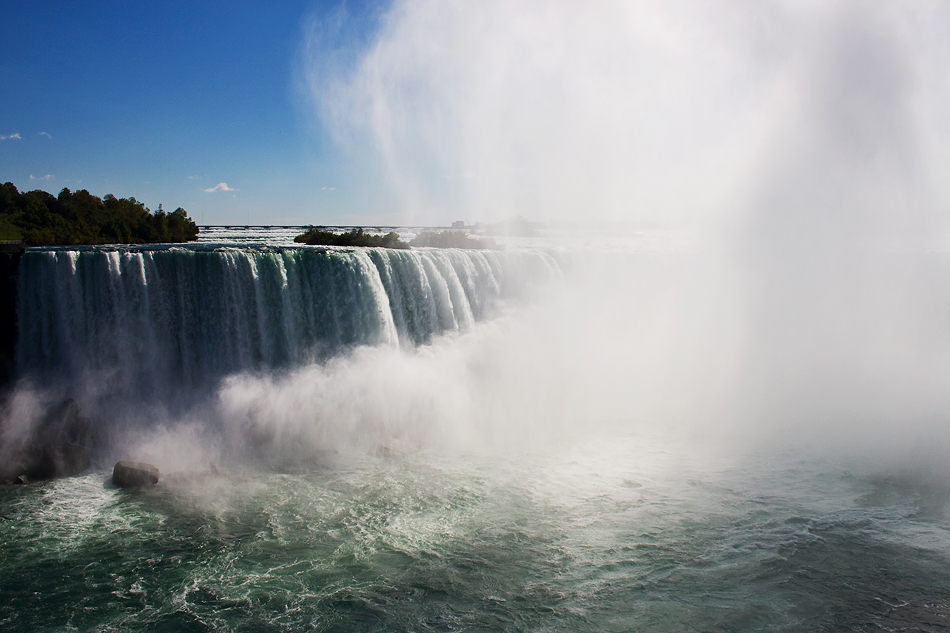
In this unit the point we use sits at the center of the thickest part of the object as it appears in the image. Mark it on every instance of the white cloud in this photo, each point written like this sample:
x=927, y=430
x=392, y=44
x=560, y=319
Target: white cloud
x=192, y=177
x=15, y=135
x=46, y=134
x=221, y=186
x=46, y=177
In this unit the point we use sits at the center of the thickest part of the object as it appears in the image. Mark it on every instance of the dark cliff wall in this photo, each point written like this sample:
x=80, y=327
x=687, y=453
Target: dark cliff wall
x=10, y=253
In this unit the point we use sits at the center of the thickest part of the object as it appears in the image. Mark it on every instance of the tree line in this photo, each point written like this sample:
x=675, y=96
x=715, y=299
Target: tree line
x=74, y=218
x=320, y=236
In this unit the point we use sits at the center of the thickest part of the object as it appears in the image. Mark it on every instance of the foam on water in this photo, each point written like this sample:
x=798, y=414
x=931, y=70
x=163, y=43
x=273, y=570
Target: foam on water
x=616, y=533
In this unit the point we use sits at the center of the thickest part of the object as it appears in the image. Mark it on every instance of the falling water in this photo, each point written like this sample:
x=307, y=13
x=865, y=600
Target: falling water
x=160, y=322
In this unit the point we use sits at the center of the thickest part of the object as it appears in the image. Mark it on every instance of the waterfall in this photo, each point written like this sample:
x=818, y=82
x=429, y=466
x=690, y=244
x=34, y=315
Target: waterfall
x=150, y=323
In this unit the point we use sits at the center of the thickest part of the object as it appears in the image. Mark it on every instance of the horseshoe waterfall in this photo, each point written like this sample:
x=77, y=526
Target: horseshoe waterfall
x=623, y=434
x=157, y=323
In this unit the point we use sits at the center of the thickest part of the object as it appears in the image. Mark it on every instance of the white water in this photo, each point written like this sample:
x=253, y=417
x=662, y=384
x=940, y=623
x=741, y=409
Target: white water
x=649, y=438
x=287, y=355
x=147, y=339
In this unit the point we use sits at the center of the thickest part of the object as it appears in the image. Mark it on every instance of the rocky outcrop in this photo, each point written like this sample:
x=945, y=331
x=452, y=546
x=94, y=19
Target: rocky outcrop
x=37, y=461
x=10, y=253
x=63, y=460
x=134, y=474
x=57, y=447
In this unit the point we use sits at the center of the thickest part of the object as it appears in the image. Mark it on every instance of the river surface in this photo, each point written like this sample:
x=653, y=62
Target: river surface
x=611, y=436
x=623, y=533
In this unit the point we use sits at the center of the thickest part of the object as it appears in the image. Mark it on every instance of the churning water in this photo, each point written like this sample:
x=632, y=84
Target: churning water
x=613, y=534
x=534, y=439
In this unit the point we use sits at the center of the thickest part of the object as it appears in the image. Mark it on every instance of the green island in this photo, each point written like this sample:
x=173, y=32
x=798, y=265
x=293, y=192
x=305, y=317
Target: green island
x=80, y=218
x=319, y=236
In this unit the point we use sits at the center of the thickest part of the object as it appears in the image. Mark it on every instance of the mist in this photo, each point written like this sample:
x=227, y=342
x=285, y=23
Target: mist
x=795, y=150
x=746, y=206
x=658, y=113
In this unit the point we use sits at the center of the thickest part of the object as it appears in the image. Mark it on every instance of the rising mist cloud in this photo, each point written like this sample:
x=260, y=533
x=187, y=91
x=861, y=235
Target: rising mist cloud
x=658, y=112
x=808, y=140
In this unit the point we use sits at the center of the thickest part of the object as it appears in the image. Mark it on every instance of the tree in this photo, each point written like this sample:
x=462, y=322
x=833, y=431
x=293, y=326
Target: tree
x=82, y=218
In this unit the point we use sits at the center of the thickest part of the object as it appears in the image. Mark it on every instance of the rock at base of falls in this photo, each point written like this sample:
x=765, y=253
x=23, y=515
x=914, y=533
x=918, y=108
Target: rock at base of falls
x=58, y=446
x=134, y=474
x=64, y=460
x=35, y=462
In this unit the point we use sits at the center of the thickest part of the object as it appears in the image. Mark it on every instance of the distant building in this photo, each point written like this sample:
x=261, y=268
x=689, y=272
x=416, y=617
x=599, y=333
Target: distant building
x=458, y=224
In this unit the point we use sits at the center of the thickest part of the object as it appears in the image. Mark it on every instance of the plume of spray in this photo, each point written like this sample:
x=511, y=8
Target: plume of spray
x=768, y=177
x=799, y=146
x=545, y=109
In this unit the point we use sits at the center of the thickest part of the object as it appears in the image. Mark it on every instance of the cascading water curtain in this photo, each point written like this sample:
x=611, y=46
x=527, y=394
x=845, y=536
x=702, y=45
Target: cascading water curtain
x=149, y=323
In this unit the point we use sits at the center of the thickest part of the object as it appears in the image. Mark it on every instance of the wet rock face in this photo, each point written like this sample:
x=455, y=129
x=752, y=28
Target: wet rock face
x=10, y=253
x=37, y=461
x=134, y=474
x=64, y=460
x=58, y=447
x=66, y=425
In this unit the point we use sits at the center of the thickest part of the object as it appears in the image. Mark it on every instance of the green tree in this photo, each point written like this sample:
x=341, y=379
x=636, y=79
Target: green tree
x=82, y=218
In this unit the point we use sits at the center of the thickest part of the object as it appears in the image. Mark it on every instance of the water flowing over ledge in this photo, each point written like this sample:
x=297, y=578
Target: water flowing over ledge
x=152, y=322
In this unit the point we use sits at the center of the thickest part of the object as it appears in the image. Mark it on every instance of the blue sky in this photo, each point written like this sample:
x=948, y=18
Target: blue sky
x=163, y=101
x=650, y=113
